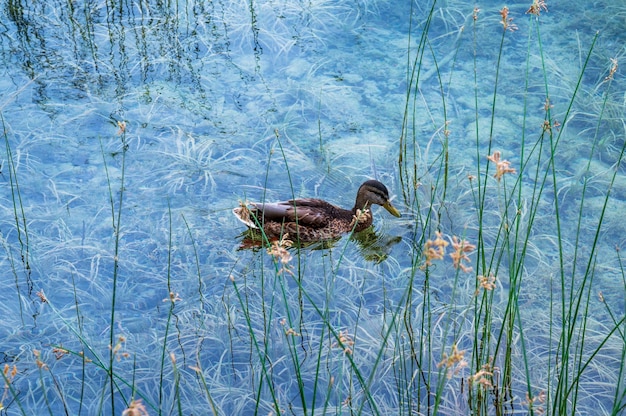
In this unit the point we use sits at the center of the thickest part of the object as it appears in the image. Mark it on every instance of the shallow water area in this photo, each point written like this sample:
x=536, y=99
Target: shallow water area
x=132, y=129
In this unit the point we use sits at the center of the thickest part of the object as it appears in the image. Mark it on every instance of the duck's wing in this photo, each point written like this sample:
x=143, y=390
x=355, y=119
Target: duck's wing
x=309, y=212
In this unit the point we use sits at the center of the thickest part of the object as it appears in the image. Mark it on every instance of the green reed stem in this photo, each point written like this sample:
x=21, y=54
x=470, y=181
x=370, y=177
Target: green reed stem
x=172, y=304
x=262, y=354
x=79, y=320
x=20, y=224
x=117, y=224
x=196, y=257
x=560, y=401
x=408, y=174
x=369, y=400
x=205, y=387
x=619, y=399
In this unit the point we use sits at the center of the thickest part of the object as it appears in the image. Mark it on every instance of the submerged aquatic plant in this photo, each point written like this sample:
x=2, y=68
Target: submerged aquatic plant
x=499, y=292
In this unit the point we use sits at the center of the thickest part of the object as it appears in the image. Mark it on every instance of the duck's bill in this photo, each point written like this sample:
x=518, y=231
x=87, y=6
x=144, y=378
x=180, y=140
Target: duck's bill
x=392, y=210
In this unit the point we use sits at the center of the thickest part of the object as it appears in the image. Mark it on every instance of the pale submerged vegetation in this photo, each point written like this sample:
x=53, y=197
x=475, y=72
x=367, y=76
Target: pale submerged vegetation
x=500, y=289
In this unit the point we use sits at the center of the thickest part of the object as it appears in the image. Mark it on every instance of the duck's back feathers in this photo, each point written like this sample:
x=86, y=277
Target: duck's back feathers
x=312, y=219
x=307, y=212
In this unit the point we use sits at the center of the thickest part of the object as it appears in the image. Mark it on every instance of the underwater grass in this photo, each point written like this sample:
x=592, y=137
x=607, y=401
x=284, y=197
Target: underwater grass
x=494, y=341
x=457, y=329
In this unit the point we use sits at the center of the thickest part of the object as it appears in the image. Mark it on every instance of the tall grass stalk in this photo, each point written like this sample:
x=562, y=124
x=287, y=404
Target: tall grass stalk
x=619, y=399
x=116, y=219
x=452, y=323
x=170, y=311
x=79, y=328
x=92, y=357
x=21, y=228
x=498, y=339
x=280, y=303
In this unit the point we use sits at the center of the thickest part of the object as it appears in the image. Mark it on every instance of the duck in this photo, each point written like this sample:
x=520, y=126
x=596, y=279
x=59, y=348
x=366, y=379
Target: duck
x=310, y=220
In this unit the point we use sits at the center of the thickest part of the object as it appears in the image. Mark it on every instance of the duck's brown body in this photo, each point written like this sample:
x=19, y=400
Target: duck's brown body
x=314, y=219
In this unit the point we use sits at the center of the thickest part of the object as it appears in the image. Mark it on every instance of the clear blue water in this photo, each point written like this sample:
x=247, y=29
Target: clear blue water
x=204, y=89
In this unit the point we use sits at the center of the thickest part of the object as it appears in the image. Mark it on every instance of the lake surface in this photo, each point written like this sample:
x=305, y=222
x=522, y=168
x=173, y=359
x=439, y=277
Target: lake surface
x=131, y=129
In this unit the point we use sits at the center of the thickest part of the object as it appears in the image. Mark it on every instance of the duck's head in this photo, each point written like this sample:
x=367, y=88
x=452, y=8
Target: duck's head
x=374, y=192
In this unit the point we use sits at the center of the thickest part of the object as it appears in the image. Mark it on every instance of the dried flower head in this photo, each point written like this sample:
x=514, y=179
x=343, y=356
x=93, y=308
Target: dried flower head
x=459, y=256
x=485, y=282
x=118, y=348
x=475, y=13
x=174, y=297
x=42, y=296
x=121, y=127
x=537, y=7
x=361, y=216
x=453, y=362
x=292, y=332
x=38, y=361
x=446, y=131
x=85, y=359
x=502, y=166
x=484, y=376
x=345, y=341
x=135, y=408
x=612, y=70
x=506, y=21
x=8, y=373
x=9, y=376
x=547, y=106
x=59, y=352
x=536, y=402
x=435, y=249
x=279, y=250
